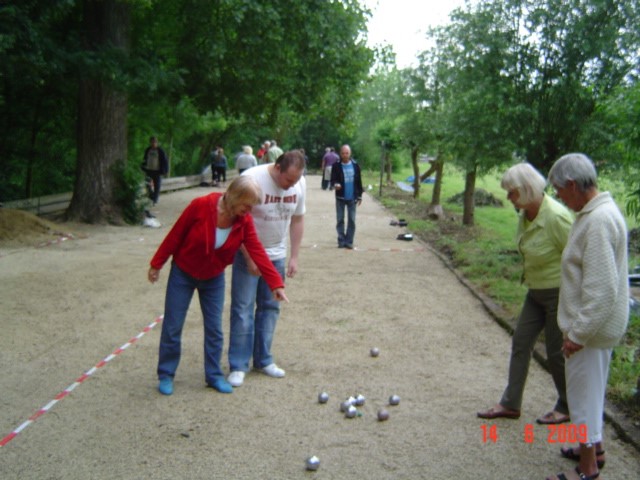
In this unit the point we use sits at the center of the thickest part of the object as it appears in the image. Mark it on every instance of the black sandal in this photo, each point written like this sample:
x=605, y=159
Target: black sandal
x=582, y=476
x=572, y=455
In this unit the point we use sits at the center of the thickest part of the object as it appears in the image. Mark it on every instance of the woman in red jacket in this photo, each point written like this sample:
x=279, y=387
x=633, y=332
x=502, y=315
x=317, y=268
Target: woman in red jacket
x=202, y=243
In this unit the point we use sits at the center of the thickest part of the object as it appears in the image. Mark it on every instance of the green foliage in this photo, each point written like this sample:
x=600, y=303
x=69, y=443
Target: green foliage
x=613, y=134
x=509, y=80
x=475, y=95
x=37, y=102
x=197, y=73
x=241, y=56
x=128, y=192
x=624, y=371
x=530, y=72
x=315, y=135
x=380, y=115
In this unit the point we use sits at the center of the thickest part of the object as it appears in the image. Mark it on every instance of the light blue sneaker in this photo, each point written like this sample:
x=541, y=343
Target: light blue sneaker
x=221, y=385
x=165, y=386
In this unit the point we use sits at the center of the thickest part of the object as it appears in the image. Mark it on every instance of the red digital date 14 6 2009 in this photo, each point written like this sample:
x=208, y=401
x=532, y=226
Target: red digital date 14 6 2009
x=562, y=433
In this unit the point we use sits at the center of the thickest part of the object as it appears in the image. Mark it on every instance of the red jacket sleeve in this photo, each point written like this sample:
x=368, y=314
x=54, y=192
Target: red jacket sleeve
x=175, y=237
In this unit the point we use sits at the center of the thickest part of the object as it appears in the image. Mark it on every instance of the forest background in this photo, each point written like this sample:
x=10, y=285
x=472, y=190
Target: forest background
x=85, y=83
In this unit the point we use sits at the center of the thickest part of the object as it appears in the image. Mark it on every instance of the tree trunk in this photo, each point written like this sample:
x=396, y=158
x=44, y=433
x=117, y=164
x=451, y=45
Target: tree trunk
x=435, y=211
x=416, y=172
x=437, y=186
x=102, y=119
x=436, y=166
x=469, y=204
x=387, y=166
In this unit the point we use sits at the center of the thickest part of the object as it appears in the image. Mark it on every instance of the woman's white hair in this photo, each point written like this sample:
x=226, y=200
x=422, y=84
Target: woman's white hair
x=524, y=178
x=576, y=167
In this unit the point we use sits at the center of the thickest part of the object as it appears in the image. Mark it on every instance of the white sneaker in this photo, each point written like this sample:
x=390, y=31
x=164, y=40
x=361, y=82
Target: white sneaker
x=236, y=378
x=273, y=371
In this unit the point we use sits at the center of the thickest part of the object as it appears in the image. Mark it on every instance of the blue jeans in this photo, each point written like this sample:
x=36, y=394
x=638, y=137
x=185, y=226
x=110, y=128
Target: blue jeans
x=251, y=333
x=345, y=238
x=156, y=177
x=180, y=288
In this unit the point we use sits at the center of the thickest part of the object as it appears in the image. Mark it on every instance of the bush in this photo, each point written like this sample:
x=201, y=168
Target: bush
x=129, y=193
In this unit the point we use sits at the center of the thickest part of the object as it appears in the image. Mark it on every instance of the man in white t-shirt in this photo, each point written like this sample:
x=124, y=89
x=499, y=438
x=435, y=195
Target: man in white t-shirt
x=254, y=311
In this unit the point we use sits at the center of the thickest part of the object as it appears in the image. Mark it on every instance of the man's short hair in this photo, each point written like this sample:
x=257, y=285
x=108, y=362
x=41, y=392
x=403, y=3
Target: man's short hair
x=292, y=158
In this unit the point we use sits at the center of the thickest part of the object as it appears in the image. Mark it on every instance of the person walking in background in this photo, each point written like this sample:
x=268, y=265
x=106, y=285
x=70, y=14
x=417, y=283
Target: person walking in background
x=212, y=162
x=346, y=180
x=155, y=164
x=543, y=229
x=274, y=152
x=246, y=159
x=253, y=312
x=219, y=166
x=202, y=243
x=329, y=158
x=261, y=156
x=593, y=310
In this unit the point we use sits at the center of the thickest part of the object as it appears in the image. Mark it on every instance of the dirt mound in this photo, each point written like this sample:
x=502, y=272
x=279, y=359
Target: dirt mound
x=481, y=198
x=19, y=228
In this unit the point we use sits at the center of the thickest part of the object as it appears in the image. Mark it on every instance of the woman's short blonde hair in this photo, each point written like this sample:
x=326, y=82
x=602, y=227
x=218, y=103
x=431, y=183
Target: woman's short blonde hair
x=243, y=190
x=247, y=150
x=527, y=180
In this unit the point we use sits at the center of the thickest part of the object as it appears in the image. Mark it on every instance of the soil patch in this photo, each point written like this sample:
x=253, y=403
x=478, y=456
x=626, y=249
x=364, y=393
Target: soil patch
x=23, y=229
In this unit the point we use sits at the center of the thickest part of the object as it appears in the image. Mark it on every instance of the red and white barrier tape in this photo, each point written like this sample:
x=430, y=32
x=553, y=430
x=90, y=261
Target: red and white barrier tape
x=61, y=238
x=78, y=381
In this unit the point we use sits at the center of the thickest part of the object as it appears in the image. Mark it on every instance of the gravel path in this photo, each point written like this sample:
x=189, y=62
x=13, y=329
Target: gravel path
x=67, y=306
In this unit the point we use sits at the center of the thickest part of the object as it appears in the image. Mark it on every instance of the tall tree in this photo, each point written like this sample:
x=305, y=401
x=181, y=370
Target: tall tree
x=475, y=95
x=102, y=113
x=612, y=137
x=573, y=53
x=521, y=78
x=37, y=98
x=194, y=72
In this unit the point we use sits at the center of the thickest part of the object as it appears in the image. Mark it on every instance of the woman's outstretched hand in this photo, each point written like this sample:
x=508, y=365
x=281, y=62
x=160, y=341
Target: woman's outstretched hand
x=153, y=275
x=279, y=295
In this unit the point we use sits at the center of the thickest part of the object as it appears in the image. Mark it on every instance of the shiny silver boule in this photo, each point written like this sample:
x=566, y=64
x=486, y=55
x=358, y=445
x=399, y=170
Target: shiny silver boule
x=344, y=406
x=394, y=400
x=351, y=412
x=360, y=400
x=313, y=463
x=383, y=415
x=351, y=400
x=374, y=352
x=323, y=397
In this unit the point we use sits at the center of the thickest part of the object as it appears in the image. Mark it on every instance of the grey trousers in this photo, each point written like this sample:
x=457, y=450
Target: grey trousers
x=539, y=313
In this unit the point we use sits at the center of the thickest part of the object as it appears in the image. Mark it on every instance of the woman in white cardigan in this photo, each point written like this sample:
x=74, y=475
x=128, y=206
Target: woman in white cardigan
x=593, y=309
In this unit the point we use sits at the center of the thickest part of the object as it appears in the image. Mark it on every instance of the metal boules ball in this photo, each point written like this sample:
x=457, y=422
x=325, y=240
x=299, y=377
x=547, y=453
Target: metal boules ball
x=360, y=400
x=313, y=463
x=351, y=400
x=394, y=400
x=383, y=415
x=323, y=397
x=344, y=406
x=351, y=412
x=374, y=352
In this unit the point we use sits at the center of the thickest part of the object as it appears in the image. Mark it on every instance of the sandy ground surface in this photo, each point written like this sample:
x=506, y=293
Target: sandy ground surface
x=68, y=305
